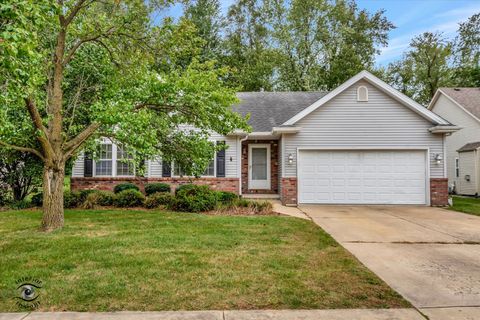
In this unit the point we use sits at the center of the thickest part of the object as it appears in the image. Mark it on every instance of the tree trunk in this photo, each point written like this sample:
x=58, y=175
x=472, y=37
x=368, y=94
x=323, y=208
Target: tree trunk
x=53, y=177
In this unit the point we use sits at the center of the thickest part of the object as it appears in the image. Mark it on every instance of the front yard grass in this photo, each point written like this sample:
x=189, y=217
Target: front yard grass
x=466, y=205
x=108, y=260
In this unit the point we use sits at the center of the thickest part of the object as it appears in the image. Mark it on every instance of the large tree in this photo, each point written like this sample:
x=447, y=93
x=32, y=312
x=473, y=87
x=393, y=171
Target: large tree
x=424, y=67
x=323, y=43
x=74, y=70
x=467, y=53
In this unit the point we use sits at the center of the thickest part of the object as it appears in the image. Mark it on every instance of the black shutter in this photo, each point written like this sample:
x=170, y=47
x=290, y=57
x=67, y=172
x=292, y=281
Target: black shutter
x=221, y=161
x=166, y=169
x=88, y=165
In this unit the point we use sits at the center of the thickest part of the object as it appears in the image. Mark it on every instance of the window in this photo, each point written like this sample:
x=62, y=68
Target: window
x=103, y=167
x=178, y=171
x=210, y=170
x=457, y=168
x=362, y=94
x=124, y=162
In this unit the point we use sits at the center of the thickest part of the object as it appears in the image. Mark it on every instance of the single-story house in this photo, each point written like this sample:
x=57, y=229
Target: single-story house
x=462, y=107
x=362, y=143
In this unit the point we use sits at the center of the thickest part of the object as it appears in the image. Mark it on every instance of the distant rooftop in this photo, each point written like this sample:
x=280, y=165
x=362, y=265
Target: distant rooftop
x=469, y=98
x=272, y=109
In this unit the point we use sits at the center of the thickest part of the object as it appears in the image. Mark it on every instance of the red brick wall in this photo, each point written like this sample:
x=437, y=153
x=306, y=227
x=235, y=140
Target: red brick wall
x=273, y=165
x=289, y=191
x=108, y=183
x=438, y=192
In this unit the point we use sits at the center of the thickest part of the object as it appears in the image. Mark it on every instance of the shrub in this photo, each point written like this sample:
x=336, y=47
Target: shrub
x=21, y=204
x=125, y=186
x=98, y=198
x=242, y=206
x=129, y=198
x=194, y=198
x=226, y=197
x=73, y=199
x=37, y=200
x=151, y=188
x=157, y=200
x=182, y=186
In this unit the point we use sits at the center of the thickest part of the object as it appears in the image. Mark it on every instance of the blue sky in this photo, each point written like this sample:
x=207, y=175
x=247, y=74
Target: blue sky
x=411, y=17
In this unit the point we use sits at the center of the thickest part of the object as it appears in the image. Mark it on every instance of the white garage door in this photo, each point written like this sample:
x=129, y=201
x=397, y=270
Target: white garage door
x=362, y=177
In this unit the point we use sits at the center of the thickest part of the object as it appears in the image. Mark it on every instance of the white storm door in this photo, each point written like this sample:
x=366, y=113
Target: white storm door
x=259, y=166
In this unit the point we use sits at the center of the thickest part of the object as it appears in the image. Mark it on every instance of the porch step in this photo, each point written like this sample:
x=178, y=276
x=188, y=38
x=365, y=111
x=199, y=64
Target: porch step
x=264, y=196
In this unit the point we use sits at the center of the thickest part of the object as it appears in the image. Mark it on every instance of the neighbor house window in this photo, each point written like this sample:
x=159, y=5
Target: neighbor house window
x=362, y=94
x=124, y=162
x=457, y=168
x=103, y=167
x=210, y=170
x=178, y=171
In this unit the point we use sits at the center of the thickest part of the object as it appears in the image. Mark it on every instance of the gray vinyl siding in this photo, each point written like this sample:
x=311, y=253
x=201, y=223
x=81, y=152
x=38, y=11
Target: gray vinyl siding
x=470, y=132
x=381, y=122
x=78, y=166
x=468, y=166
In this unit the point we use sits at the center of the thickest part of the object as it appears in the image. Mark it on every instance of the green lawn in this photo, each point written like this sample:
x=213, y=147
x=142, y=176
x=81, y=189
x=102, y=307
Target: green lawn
x=146, y=260
x=466, y=205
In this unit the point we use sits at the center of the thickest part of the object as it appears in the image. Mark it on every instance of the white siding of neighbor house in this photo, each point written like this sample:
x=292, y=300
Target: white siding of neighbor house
x=470, y=132
x=78, y=166
x=381, y=122
x=468, y=164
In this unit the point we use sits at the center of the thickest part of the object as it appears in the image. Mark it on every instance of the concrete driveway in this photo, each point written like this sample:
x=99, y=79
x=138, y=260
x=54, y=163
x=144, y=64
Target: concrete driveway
x=429, y=255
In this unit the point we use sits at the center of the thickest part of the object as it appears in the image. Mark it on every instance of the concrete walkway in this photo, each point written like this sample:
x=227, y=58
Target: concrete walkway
x=288, y=211
x=350, y=314
x=431, y=256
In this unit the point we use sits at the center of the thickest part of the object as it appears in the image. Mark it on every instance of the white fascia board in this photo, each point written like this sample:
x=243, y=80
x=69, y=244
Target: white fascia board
x=280, y=130
x=444, y=129
x=379, y=84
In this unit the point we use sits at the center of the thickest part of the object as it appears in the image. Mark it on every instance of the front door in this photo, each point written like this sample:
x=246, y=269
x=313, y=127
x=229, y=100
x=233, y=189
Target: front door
x=259, y=166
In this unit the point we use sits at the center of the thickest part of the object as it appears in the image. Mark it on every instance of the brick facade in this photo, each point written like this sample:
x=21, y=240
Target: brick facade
x=438, y=192
x=289, y=191
x=273, y=166
x=108, y=183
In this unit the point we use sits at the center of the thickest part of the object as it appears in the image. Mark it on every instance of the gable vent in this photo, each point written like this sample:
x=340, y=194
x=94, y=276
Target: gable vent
x=362, y=94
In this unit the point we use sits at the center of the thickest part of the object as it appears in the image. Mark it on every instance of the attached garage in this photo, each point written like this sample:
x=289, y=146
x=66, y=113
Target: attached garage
x=362, y=176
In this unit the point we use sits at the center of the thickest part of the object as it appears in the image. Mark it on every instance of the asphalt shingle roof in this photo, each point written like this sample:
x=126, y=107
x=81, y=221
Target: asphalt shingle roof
x=272, y=109
x=469, y=98
x=470, y=147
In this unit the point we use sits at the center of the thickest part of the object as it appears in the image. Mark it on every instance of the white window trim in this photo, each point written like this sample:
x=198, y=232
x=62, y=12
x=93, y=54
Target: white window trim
x=114, y=164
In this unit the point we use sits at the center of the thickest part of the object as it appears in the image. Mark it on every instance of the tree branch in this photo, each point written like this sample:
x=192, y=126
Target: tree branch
x=71, y=146
x=35, y=115
x=80, y=42
x=76, y=8
x=22, y=149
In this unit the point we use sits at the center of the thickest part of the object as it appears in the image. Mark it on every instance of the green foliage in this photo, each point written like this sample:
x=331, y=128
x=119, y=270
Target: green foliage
x=20, y=204
x=125, y=186
x=157, y=200
x=226, y=197
x=194, y=198
x=37, y=199
x=246, y=206
x=73, y=199
x=129, y=198
x=151, y=188
x=467, y=53
x=98, y=198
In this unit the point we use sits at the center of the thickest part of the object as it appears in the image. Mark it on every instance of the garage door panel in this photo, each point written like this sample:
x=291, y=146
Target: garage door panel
x=370, y=177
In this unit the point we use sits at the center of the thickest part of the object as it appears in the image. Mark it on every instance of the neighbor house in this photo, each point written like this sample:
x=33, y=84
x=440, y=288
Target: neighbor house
x=362, y=143
x=462, y=107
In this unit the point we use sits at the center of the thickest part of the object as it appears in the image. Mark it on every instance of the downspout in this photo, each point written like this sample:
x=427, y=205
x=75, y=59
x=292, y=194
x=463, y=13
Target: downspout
x=239, y=156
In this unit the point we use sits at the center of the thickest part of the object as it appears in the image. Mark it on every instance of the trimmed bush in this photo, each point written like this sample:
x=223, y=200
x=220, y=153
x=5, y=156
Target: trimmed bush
x=152, y=188
x=98, y=198
x=22, y=204
x=73, y=199
x=129, y=198
x=125, y=186
x=226, y=197
x=194, y=198
x=157, y=200
x=37, y=199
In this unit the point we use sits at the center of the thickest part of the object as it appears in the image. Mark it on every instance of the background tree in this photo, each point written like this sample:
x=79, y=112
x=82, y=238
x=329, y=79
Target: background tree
x=467, y=53
x=20, y=171
x=424, y=68
x=323, y=43
x=72, y=71
x=248, y=50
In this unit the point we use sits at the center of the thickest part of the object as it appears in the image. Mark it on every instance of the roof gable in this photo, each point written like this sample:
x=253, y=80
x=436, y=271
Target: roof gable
x=467, y=99
x=365, y=75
